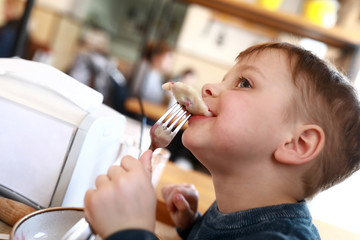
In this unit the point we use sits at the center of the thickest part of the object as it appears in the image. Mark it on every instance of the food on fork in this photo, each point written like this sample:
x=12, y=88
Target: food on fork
x=188, y=97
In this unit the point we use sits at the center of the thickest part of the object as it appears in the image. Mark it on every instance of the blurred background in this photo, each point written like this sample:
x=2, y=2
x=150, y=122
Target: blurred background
x=126, y=49
x=205, y=35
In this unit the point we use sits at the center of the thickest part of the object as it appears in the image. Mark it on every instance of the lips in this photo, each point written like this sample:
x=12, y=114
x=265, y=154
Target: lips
x=196, y=118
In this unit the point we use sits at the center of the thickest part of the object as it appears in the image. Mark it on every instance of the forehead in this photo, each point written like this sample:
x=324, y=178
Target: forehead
x=267, y=61
x=271, y=53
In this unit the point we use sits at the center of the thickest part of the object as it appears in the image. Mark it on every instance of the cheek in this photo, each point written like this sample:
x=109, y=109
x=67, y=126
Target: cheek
x=247, y=120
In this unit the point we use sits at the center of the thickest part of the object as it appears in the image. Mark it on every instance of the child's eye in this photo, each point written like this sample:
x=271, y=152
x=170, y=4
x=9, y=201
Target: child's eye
x=244, y=83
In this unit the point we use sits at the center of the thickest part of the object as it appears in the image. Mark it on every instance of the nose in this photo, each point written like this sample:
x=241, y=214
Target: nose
x=211, y=90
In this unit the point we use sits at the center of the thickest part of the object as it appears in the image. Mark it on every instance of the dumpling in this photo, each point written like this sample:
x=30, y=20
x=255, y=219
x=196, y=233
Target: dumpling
x=188, y=97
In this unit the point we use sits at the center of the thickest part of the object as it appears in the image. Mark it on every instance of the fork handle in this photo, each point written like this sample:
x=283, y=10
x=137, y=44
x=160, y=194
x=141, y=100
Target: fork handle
x=152, y=147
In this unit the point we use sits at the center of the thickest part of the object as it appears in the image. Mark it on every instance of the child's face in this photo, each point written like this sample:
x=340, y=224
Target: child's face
x=249, y=108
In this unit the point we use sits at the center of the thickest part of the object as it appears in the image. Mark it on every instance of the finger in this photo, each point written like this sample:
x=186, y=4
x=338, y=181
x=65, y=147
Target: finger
x=166, y=190
x=89, y=206
x=114, y=172
x=168, y=193
x=88, y=195
x=184, y=189
x=129, y=162
x=145, y=159
x=191, y=186
x=101, y=180
x=180, y=202
x=191, y=195
x=170, y=205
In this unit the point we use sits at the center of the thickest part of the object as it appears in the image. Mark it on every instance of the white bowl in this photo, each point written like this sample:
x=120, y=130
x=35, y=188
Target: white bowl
x=50, y=223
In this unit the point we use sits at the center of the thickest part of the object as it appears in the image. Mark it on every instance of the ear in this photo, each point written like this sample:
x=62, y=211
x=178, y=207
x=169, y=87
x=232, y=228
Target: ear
x=305, y=145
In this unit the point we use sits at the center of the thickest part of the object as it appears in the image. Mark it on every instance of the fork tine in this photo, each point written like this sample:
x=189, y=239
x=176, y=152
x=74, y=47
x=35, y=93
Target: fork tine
x=174, y=107
x=174, y=115
x=181, y=124
x=179, y=116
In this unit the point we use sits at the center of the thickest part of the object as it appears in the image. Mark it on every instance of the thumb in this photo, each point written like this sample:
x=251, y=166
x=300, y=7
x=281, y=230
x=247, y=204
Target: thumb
x=145, y=160
x=180, y=202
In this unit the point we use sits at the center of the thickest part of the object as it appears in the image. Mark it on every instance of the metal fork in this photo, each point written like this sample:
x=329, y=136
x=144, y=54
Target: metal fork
x=168, y=125
x=161, y=134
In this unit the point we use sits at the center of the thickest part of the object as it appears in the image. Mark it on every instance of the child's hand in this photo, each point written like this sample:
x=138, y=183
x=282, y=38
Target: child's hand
x=124, y=198
x=182, y=203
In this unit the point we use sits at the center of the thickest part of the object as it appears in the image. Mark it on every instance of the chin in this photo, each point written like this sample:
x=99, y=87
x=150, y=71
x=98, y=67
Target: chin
x=193, y=144
x=188, y=139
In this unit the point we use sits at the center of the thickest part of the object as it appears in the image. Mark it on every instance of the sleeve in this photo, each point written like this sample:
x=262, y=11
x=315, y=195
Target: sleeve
x=184, y=233
x=269, y=235
x=130, y=234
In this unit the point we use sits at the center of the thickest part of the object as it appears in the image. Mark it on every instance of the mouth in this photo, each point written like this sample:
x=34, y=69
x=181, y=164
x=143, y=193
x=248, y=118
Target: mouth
x=194, y=118
x=212, y=113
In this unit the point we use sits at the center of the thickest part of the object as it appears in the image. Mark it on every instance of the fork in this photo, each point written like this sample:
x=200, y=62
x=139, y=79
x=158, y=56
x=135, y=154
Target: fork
x=161, y=134
x=168, y=125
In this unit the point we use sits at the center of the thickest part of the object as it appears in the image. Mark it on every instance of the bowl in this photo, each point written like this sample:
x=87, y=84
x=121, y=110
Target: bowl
x=50, y=223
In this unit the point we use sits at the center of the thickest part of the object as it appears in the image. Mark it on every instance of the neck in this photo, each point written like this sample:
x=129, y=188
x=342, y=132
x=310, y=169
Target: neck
x=254, y=188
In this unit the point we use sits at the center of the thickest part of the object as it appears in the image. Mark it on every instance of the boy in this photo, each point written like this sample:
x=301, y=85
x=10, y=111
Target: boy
x=285, y=126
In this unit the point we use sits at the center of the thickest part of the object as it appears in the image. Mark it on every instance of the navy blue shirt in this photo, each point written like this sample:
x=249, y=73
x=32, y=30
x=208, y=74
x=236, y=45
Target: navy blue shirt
x=280, y=222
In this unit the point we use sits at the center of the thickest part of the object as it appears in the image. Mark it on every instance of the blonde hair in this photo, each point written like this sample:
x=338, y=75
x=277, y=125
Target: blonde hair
x=325, y=97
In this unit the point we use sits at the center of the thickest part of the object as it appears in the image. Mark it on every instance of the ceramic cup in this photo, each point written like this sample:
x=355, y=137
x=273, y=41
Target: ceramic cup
x=50, y=223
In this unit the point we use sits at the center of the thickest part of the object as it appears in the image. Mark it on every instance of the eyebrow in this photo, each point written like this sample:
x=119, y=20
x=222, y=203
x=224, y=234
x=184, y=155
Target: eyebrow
x=249, y=67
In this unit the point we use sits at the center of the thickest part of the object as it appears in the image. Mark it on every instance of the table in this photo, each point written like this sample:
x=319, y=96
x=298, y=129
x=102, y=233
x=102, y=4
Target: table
x=175, y=175
x=4, y=229
x=172, y=174
x=151, y=110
